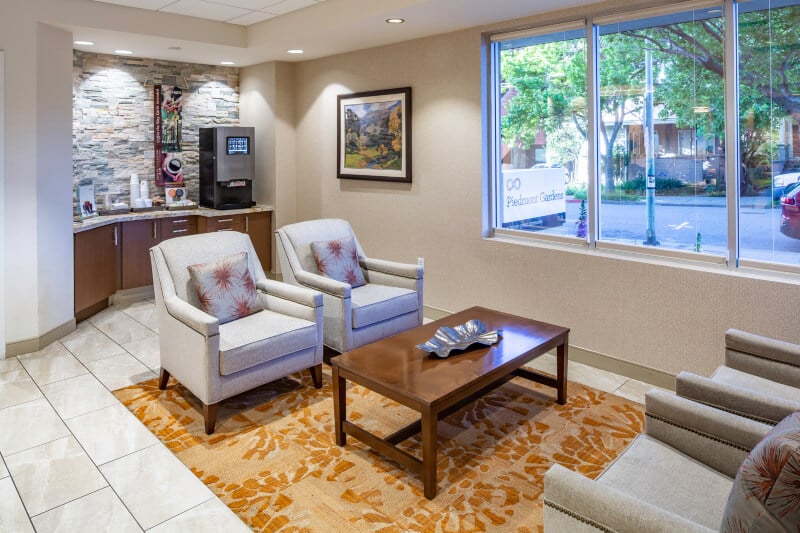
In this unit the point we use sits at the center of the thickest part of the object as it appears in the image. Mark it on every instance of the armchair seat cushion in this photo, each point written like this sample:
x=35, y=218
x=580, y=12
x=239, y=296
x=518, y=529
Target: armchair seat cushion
x=373, y=303
x=261, y=337
x=660, y=475
x=743, y=380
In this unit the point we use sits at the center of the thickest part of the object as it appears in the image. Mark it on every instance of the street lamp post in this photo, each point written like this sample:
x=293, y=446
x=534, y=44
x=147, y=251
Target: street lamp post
x=649, y=144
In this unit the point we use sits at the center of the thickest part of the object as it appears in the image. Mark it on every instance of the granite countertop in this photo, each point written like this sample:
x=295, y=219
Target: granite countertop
x=104, y=220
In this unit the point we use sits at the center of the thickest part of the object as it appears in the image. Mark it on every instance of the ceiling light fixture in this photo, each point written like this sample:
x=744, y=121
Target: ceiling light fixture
x=123, y=52
x=395, y=21
x=294, y=51
x=227, y=63
x=174, y=48
x=83, y=43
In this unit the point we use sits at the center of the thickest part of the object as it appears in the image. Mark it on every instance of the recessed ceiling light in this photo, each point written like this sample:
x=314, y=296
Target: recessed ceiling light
x=395, y=21
x=227, y=63
x=83, y=43
x=123, y=52
x=294, y=51
x=174, y=48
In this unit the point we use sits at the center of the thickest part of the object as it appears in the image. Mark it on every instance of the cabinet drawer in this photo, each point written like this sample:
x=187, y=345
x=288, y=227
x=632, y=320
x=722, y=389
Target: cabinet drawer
x=225, y=223
x=178, y=226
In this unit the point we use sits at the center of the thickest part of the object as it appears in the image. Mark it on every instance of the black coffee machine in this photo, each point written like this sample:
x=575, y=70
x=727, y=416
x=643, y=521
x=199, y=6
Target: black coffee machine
x=227, y=167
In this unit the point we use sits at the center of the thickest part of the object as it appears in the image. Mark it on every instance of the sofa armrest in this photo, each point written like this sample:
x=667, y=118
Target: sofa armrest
x=572, y=500
x=403, y=270
x=743, y=402
x=298, y=295
x=323, y=284
x=761, y=356
x=198, y=320
x=716, y=438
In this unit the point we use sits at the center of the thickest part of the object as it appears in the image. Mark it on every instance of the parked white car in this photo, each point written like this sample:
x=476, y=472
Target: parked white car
x=780, y=182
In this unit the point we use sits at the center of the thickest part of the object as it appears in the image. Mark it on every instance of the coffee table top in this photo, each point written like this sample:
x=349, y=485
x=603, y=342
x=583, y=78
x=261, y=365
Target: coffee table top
x=395, y=368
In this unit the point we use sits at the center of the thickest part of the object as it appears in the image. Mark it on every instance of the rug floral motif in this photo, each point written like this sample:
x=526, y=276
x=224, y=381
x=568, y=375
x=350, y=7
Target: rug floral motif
x=274, y=462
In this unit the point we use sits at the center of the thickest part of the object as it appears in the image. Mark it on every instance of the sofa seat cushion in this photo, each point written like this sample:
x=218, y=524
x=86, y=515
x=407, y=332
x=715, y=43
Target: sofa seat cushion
x=743, y=380
x=766, y=493
x=660, y=475
x=261, y=337
x=373, y=303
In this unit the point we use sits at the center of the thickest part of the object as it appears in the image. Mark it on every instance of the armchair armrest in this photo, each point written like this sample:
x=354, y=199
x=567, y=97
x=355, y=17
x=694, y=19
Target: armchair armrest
x=201, y=322
x=323, y=284
x=748, y=403
x=292, y=293
x=761, y=356
x=716, y=438
x=571, y=499
x=404, y=270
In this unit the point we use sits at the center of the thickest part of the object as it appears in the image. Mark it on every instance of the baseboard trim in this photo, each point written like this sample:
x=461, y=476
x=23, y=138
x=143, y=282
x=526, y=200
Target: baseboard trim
x=131, y=295
x=653, y=376
x=14, y=349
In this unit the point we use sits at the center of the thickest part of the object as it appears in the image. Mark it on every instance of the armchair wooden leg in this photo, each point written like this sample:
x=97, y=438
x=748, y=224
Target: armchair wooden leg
x=316, y=375
x=210, y=416
x=162, y=384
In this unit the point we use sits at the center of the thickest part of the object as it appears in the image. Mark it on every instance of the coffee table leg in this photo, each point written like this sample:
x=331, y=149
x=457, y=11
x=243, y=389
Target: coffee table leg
x=339, y=406
x=429, y=420
x=561, y=372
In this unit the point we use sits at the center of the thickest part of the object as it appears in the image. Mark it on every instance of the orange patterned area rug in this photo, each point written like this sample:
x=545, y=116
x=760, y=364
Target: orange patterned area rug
x=273, y=460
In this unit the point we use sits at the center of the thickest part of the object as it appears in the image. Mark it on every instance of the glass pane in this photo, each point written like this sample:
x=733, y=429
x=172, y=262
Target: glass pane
x=542, y=174
x=769, y=123
x=661, y=132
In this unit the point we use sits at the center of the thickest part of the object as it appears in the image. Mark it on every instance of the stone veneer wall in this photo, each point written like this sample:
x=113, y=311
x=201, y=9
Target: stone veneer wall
x=112, y=124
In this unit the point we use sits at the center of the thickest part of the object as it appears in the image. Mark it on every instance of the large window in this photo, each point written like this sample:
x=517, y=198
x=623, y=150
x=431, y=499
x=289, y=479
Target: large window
x=623, y=132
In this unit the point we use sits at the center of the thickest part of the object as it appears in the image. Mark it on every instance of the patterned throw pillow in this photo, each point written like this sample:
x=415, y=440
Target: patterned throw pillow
x=225, y=288
x=766, y=493
x=338, y=259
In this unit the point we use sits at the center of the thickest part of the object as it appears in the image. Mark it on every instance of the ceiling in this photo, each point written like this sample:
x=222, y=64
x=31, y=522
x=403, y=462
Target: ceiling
x=244, y=12
x=319, y=27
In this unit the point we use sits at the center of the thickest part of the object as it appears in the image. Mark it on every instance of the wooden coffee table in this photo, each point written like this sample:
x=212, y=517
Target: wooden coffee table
x=436, y=387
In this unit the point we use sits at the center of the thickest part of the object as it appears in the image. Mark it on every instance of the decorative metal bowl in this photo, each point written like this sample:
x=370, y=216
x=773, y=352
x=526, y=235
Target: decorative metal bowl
x=460, y=337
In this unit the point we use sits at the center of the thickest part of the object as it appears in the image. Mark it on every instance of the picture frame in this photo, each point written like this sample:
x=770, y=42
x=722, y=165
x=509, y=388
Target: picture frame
x=374, y=135
x=86, y=201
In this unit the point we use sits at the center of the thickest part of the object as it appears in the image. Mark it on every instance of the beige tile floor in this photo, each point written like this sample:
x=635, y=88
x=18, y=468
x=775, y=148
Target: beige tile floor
x=72, y=458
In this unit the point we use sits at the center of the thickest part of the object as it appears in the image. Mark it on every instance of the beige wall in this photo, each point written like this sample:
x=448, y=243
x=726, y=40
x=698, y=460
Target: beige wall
x=658, y=315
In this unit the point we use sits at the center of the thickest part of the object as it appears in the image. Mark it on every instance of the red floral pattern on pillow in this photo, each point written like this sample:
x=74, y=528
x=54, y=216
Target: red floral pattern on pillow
x=225, y=288
x=338, y=259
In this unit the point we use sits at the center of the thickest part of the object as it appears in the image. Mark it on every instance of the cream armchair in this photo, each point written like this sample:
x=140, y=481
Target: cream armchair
x=760, y=378
x=676, y=476
x=390, y=301
x=216, y=361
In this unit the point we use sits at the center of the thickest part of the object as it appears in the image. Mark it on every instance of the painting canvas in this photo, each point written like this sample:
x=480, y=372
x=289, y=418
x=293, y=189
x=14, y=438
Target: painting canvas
x=374, y=135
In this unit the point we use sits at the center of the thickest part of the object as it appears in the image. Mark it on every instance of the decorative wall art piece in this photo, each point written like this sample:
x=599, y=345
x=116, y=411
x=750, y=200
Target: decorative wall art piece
x=86, y=202
x=374, y=135
x=167, y=120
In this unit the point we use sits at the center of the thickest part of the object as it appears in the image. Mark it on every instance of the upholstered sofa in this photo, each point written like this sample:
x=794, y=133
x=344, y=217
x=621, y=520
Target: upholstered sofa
x=760, y=378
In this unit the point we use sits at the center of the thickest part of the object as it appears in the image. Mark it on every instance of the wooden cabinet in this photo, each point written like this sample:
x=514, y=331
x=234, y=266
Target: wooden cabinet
x=96, y=259
x=259, y=227
x=138, y=236
x=222, y=223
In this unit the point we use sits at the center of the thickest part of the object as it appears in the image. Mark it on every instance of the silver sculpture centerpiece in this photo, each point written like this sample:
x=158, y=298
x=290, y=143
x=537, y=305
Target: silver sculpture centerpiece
x=460, y=337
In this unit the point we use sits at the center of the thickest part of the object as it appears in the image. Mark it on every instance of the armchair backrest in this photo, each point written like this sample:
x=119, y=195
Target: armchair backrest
x=180, y=252
x=294, y=243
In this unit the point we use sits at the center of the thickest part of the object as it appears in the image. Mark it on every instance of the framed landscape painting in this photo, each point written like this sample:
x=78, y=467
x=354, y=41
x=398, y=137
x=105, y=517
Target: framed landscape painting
x=374, y=135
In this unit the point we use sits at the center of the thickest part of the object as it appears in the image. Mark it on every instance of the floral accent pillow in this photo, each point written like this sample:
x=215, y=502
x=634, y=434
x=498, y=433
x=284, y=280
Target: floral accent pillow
x=225, y=288
x=338, y=259
x=766, y=493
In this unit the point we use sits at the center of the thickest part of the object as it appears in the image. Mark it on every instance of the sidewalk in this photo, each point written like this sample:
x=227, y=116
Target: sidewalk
x=748, y=202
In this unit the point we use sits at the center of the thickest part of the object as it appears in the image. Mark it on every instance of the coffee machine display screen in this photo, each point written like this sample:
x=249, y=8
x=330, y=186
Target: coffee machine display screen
x=238, y=145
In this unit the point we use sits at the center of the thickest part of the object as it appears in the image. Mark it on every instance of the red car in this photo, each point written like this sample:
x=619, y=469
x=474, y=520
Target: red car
x=790, y=211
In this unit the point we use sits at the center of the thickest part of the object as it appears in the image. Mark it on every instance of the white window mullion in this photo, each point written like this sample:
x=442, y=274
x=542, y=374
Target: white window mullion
x=732, y=151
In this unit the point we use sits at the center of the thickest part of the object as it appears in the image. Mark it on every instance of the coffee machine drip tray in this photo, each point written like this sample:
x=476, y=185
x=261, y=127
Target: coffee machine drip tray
x=240, y=205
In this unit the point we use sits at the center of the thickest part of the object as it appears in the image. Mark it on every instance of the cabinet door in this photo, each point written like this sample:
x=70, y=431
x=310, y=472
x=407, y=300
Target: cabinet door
x=178, y=227
x=138, y=236
x=96, y=273
x=259, y=227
